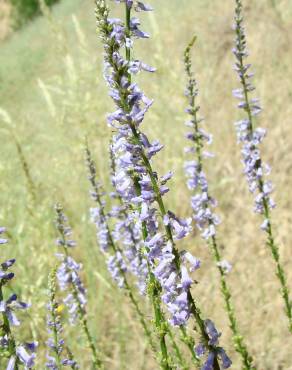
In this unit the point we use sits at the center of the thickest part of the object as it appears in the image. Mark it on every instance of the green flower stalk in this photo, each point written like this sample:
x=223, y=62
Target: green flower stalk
x=250, y=138
x=68, y=278
x=202, y=202
x=55, y=343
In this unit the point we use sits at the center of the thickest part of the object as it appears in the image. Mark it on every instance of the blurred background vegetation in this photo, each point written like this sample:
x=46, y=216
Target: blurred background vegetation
x=52, y=95
x=25, y=10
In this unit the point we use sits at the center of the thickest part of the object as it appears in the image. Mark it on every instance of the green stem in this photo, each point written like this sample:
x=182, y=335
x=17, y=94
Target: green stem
x=280, y=273
x=190, y=343
x=153, y=284
x=178, y=354
x=141, y=316
x=54, y=306
x=154, y=292
x=237, y=338
x=97, y=363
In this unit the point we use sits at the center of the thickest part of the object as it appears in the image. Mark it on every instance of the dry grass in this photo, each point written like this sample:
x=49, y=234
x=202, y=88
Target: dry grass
x=53, y=148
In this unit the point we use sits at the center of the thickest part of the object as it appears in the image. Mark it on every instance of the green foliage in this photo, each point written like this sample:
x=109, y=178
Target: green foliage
x=24, y=10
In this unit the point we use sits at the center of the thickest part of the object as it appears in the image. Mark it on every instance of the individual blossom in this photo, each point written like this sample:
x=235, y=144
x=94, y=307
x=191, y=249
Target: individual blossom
x=214, y=336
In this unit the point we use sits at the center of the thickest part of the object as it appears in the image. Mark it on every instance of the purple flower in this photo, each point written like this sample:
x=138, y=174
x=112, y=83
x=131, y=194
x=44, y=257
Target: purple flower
x=209, y=364
x=68, y=278
x=226, y=362
x=69, y=270
x=212, y=333
x=55, y=342
x=9, y=306
x=27, y=358
x=126, y=230
x=137, y=186
x=2, y=231
x=225, y=266
x=248, y=136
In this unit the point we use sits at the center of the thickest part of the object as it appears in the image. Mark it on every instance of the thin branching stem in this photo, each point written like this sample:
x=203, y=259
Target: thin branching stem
x=280, y=273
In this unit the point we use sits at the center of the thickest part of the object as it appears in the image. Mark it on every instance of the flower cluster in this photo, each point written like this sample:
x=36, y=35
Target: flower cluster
x=19, y=353
x=202, y=203
x=250, y=137
x=55, y=343
x=134, y=180
x=69, y=270
x=69, y=281
x=119, y=261
x=127, y=231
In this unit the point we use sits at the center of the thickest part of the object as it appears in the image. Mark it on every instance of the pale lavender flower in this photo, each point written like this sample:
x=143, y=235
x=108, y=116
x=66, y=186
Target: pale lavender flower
x=9, y=306
x=26, y=355
x=55, y=342
x=2, y=231
x=122, y=244
x=249, y=136
x=136, y=183
x=225, y=266
x=202, y=203
x=133, y=150
x=69, y=270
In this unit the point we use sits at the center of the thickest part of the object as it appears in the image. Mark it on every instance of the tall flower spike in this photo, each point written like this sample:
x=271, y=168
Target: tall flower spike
x=112, y=250
x=250, y=138
x=128, y=231
x=69, y=280
x=202, y=204
x=145, y=190
x=18, y=353
x=55, y=343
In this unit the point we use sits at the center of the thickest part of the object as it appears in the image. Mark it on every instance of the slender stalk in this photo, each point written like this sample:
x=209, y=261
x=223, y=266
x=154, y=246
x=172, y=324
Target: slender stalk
x=154, y=290
x=84, y=324
x=54, y=318
x=97, y=363
x=238, y=340
x=280, y=273
x=198, y=142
